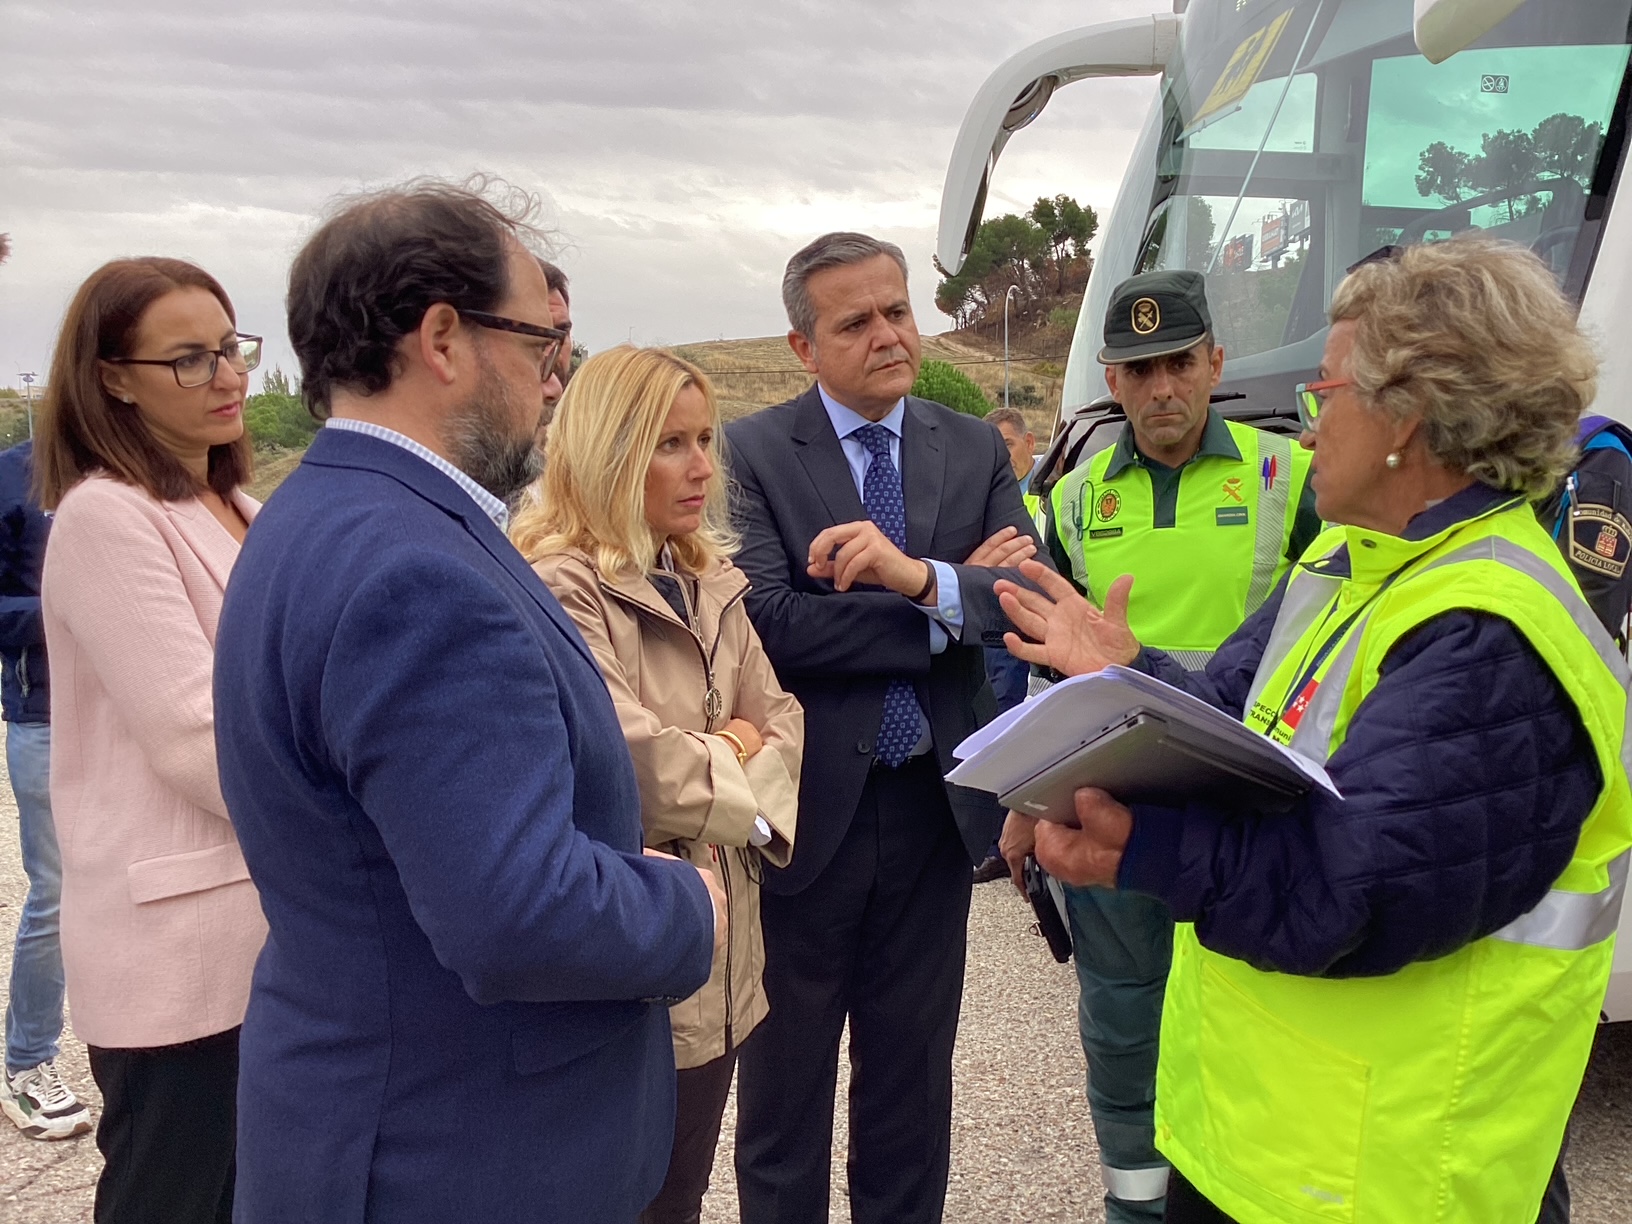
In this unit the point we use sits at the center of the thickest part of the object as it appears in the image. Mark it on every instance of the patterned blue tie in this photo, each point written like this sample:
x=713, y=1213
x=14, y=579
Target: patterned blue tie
x=881, y=494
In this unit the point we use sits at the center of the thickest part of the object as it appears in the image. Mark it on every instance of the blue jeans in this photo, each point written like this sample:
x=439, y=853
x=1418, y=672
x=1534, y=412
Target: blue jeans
x=34, y=1012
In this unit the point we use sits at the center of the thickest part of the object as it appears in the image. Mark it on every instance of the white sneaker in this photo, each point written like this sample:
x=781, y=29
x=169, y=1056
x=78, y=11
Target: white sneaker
x=42, y=1106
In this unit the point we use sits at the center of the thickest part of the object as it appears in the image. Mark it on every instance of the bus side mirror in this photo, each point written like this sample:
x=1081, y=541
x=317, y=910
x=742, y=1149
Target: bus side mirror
x=1016, y=93
x=1444, y=27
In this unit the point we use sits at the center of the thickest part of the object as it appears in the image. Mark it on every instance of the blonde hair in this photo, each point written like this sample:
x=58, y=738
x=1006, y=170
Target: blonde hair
x=1474, y=335
x=592, y=495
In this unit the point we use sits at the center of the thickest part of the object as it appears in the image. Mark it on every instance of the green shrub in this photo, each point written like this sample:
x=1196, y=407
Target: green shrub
x=946, y=384
x=277, y=416
x=1064, y=317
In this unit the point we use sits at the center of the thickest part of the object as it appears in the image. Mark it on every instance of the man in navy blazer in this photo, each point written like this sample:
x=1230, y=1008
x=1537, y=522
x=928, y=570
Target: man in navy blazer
x=858, y=507
x=460, y=1010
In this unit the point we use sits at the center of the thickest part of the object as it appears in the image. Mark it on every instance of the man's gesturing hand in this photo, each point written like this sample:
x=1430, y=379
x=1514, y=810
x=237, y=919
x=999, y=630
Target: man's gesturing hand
x=1070, y=634
x=1004, y=548
x=860, y=552
x=1092, y=853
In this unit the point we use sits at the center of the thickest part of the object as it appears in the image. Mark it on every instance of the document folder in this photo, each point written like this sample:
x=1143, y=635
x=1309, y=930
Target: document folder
x=1135, y=737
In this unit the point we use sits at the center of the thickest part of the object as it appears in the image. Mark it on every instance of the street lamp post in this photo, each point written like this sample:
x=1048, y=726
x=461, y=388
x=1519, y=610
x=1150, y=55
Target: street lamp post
x=1006, y=298
x=28, y=385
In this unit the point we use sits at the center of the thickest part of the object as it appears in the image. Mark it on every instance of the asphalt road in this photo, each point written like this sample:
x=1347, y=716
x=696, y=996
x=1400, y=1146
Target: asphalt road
x=1022, y=1147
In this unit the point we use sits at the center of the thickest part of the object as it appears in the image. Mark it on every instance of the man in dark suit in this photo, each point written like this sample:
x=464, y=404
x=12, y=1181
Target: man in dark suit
x=459, y=1013
x=852, y=498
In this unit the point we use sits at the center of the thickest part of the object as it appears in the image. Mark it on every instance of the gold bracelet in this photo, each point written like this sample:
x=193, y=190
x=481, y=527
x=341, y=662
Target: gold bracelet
x=742, y=749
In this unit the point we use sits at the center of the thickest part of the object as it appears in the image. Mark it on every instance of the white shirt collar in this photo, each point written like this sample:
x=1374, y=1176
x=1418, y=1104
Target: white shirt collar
x=490, y=505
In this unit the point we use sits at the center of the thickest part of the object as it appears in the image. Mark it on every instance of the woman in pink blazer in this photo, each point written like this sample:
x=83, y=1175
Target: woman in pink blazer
x=141, y=451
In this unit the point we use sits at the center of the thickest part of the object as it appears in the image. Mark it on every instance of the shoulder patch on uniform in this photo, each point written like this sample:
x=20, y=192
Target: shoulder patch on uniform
x=1600, y=539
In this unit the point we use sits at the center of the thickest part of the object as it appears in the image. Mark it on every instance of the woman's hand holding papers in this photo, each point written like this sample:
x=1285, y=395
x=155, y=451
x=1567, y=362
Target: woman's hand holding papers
x=1091, y=852
x=1068, y=633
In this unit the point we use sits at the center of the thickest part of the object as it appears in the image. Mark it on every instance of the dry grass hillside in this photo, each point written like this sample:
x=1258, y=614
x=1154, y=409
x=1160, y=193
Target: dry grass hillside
x=752, y=374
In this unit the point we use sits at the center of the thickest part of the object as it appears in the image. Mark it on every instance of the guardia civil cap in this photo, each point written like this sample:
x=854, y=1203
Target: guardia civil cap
x=1154, y=314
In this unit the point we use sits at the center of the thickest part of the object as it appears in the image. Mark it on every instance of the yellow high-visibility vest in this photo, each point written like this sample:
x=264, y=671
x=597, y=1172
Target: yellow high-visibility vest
x=1437, y=1094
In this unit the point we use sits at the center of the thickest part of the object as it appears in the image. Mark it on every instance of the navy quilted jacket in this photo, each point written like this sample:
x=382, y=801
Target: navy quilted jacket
x=1466, y=776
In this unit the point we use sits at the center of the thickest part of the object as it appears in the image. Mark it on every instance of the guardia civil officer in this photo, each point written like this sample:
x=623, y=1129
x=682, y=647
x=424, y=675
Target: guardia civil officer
x=1206, y=514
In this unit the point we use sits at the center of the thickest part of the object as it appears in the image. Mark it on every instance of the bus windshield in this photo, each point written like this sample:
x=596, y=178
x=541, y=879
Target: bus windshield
x=1298, y=137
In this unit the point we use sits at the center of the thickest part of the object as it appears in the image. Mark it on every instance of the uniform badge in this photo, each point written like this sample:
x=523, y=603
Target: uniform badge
x=1147, y=316
x=1232, y=489
x=1600, y=539
x=1110, y=503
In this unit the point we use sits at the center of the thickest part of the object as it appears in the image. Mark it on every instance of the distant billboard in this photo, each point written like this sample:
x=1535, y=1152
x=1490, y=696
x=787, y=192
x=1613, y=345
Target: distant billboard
x=1238, y=254
x=1272, y=236
x=1297, y=220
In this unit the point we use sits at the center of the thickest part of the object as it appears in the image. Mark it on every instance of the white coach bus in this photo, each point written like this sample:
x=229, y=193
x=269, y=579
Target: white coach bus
x=1289, y=138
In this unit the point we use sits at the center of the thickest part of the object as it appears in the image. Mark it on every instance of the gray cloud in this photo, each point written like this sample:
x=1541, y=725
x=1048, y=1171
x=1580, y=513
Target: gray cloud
x=684, y=150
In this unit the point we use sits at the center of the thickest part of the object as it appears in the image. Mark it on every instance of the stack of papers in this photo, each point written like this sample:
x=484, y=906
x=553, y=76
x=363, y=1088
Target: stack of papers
x=1084, y=729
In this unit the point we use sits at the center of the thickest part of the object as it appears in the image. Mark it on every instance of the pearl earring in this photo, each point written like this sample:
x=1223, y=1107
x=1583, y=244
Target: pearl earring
x=1393, y=459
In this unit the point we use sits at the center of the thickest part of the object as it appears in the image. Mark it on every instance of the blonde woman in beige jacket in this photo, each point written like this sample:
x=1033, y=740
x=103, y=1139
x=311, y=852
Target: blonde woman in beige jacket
x=630, y=532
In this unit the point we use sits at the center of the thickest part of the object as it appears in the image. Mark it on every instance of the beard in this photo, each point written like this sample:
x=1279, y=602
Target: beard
x=482, y=440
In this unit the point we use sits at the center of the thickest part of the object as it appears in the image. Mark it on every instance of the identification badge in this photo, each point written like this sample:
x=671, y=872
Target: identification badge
x=1230, y=516
x=1104, y=533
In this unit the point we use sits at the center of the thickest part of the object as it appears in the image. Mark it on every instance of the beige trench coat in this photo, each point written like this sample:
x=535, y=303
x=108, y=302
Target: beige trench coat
x=696, y=801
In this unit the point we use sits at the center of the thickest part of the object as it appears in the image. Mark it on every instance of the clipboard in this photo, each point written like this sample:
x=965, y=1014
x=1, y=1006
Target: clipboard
x=1137, y=738
x=1144, y=758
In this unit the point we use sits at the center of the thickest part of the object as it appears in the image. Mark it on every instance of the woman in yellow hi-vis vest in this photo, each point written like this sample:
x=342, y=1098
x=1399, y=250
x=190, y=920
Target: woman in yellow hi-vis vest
x=1381, y=1006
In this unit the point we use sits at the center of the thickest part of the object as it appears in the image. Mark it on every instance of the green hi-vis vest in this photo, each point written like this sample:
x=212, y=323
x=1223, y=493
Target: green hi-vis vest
x=1437, y=1094
x=1196, y=582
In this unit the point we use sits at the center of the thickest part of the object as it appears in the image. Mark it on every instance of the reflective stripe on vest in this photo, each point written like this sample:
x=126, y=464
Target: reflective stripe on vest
x=1566, y=921
x=1269, y=542
x=1193, y=660
x=1134, y=1185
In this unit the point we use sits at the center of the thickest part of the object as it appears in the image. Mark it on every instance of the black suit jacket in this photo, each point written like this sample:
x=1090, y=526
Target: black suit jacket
x=838, y=651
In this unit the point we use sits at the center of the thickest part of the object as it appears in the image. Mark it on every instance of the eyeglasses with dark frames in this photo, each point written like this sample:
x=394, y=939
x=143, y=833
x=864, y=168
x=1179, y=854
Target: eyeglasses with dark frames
x=197, y=368
x=553, y=336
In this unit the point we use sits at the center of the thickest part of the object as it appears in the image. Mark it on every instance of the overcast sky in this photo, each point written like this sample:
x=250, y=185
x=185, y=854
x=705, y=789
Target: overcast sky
x=684, y=149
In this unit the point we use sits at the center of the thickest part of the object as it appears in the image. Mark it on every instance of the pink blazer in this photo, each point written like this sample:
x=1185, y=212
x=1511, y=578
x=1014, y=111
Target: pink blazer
x=160, y=924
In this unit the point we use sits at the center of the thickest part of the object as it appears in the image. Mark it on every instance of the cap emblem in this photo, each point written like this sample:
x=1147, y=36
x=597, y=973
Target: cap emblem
x=1147, y=316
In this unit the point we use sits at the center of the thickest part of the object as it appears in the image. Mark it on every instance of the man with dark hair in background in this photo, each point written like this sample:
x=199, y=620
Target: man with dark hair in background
x=852, y=496
x=561, y=315
x=460, y=1013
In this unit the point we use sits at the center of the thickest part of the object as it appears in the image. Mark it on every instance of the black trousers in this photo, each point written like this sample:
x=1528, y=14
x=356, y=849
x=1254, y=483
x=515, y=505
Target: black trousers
x=168, y=1132
x=1185, y=1204
x=878, y=938
x=699, y=1104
